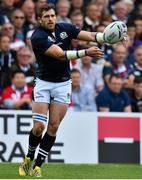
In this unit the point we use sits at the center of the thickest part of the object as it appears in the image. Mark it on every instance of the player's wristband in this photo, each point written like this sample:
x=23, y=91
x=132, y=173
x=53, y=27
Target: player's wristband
x=72, y=54
x=99, y=37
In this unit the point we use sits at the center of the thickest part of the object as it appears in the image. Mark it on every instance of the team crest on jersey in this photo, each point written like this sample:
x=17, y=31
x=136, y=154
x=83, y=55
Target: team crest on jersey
x=63, y=35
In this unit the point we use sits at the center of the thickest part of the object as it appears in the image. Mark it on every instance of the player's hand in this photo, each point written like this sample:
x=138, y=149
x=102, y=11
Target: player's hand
x=95, y=52
x=125, y=41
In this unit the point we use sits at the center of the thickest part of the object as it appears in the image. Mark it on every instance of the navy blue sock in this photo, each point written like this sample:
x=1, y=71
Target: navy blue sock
x=45, y=146
x=33, y=143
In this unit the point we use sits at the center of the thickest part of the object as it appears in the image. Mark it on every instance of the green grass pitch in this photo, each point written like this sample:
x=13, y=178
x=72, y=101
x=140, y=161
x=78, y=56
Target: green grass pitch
x=72, y=171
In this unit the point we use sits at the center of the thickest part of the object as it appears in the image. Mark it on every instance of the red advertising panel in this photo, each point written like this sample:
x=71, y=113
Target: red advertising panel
x=119, y=139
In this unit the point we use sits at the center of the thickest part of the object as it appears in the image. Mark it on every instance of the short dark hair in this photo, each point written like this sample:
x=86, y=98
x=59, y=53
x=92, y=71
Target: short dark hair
x=75, y=71
x=131, y=24
x=137, y=80
x=138, y=17
x=47, y=7
x=90, y=4
x=114, y=75
x=18, y=71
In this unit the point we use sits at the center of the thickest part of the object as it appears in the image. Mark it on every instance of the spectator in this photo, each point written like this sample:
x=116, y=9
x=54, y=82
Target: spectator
x=7, y=58
x=18, y=20
x=91, y=75
x=63, y=7
x=82, y=98
x=102, y=6
x=120, y=12
x=119, y=66
x=18, y=95
x=77, y=4
x=130, y=7
x=136, y=96
x=137, y=66
x=6, y=9
x=133, y=41
x=92, y=17
x=39, y=4
x=28, y=8
x=24, y=64
x=113, y=98
x=8, y=30
x=139, y=12
x=138, y=24
x=77, y=18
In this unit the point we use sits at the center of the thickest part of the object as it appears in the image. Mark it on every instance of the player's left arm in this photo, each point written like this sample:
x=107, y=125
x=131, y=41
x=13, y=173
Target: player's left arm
x=91, y=36
x=97, y=37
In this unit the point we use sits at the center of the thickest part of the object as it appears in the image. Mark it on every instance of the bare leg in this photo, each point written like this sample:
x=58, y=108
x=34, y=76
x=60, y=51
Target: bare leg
x=56, y=114
x=40, y=108
x=39, y=115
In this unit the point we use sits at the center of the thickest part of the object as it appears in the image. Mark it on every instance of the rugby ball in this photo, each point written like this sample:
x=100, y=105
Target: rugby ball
x=114, y=32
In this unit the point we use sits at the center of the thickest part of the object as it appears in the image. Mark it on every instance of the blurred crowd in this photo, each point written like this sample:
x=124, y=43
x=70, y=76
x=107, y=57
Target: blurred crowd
x=113, y=83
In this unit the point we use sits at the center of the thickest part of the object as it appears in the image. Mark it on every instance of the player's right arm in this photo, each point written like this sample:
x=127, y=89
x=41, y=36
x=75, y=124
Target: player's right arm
x=43, y=43
x=57, y=53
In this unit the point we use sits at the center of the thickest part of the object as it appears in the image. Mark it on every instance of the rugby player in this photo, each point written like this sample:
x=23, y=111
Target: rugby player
x=52, y=91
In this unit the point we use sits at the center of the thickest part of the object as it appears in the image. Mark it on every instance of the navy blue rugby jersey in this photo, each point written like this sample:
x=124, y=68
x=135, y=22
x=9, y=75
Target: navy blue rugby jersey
x=48, y=68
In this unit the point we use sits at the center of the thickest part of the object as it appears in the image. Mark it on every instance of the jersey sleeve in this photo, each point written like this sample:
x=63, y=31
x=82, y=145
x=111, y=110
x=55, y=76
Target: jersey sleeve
x=72, y=30
x=42, y=43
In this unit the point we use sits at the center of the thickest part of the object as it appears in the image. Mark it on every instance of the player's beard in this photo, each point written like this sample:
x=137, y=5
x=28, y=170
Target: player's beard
x=51, y=27
x=48, y=26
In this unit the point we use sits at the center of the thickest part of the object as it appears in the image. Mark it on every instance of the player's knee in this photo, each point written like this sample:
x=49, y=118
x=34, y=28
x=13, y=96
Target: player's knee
x=39, y=123
x=53, y=127
x=38, y=128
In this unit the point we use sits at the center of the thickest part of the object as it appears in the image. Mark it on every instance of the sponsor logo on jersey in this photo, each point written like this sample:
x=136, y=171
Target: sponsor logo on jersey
x=51, y=39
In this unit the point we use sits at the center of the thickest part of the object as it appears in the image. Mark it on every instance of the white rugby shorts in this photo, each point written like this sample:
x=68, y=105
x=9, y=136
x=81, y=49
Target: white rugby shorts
x=47, y=92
